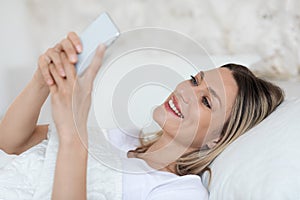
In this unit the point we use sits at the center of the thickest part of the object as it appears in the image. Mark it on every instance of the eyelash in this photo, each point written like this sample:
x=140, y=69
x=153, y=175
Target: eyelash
x=205, y=102
x=204, y=99
x=194, y=80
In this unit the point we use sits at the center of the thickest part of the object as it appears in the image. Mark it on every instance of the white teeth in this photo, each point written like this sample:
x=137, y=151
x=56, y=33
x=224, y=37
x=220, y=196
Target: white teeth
x=171, y=104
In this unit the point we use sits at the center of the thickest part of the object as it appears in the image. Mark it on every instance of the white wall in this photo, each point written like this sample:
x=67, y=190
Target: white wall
x=268, y=30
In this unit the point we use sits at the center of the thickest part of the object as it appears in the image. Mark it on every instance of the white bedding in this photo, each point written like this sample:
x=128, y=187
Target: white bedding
x=30, y=175
x=19, y=174
x=264, y=162
x=16, y=184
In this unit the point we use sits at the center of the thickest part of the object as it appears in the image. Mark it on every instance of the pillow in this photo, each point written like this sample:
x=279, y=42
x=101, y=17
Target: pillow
x=264, y=163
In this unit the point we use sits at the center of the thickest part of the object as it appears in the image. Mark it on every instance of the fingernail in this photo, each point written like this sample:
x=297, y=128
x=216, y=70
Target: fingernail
x=78, y=48
x=73, y=58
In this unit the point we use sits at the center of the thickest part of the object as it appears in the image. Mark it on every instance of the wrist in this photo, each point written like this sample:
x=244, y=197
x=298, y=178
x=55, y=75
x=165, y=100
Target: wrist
x=73, y=148
x=73, y=143
x=72, y=136
x=39, y=82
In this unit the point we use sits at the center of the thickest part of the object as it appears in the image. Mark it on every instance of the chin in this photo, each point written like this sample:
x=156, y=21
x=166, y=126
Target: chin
x=159, y=115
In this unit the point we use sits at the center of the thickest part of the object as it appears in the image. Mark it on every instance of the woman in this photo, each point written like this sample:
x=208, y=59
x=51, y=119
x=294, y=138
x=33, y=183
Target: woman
x=199, y=120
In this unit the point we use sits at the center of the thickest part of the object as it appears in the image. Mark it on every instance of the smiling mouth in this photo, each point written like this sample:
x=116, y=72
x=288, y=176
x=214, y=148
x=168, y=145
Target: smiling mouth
x=173, y=107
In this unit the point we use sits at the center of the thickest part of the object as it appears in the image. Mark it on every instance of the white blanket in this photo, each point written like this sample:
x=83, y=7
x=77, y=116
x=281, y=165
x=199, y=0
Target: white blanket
x=30, y=175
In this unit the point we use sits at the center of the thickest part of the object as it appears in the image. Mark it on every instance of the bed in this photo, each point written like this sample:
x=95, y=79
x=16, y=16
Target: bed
x=262, y=164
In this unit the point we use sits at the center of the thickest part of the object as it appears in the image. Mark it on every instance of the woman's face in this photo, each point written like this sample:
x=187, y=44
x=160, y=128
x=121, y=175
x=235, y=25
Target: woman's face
x=200, y=108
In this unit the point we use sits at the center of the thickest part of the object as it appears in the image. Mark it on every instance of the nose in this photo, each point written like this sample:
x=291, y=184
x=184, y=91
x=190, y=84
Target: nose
x=185, y=91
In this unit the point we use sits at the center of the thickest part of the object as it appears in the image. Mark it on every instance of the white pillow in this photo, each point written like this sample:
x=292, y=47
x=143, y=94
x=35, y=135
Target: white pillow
x=264, y=163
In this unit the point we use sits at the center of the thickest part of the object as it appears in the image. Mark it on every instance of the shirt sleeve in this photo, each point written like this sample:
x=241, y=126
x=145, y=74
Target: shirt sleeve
x=124, y=140
x=187, y=189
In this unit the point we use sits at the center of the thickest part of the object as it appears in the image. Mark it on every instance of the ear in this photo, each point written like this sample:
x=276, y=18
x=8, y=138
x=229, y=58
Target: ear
x=212, y=143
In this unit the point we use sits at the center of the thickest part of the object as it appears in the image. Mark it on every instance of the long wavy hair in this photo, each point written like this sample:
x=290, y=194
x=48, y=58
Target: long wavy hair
x=256, y=99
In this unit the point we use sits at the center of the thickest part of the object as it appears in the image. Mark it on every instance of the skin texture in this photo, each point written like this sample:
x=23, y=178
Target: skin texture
x=70, y=103
x=16, y=138
x=203, y=119
x=71, y=100
x=56, y=76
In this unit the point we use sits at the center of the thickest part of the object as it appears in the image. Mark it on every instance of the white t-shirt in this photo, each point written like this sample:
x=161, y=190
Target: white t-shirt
x=150, y=184
x=23, y=171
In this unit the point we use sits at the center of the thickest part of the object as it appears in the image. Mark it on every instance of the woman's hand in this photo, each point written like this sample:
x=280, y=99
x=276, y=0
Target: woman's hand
x=71, y=95
x=18, y=128
x=70, y=101
x=70, y=45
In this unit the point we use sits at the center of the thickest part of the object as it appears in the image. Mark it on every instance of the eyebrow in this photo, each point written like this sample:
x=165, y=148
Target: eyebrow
x=212, y=91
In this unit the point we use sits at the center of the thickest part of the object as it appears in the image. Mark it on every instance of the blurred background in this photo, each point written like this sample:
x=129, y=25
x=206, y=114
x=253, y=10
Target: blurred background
x=264, y=35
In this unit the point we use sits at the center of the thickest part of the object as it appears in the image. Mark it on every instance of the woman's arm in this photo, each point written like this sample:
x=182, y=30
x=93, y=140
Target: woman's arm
x=71, y=169
x=71, y=100
x=18, y=129
x=19, y=122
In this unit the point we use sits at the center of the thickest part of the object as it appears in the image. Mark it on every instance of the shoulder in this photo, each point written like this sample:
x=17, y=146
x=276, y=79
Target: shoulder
x=187, y=187
x=123, y=139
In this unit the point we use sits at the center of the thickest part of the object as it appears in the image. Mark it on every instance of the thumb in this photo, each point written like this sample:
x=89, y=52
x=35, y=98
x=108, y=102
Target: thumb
x=95, y=65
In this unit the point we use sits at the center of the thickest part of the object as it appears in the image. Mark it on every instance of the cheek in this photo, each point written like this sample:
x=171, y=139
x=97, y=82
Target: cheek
x=218, y=119
x=201, y=127
x=199, y=119
x=193, y=130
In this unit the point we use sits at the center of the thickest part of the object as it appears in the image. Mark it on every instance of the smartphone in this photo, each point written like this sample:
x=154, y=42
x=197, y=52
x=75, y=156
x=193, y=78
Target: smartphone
x=102, y=30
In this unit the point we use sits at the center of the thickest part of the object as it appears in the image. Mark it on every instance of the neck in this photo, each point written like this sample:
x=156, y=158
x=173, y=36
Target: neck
x=162, y=155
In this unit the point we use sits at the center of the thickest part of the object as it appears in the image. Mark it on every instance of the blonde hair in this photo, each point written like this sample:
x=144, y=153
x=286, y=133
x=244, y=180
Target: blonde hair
x=256, y=99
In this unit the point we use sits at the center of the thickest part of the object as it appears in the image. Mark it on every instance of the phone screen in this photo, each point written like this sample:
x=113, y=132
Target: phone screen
x=102, y=30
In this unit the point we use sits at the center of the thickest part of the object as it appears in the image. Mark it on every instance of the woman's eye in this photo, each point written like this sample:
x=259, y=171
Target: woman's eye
x=205, y=102
x=194, y=80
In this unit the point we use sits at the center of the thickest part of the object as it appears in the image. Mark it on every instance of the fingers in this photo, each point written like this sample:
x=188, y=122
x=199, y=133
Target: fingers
x=71, y=46
x=62, y=83
x=59, y=81
x=54, y=55
x=96, y=62
x=54, y=87
x=70, y=50
x=43, y=63
x=73, y=37
x=69, y=67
